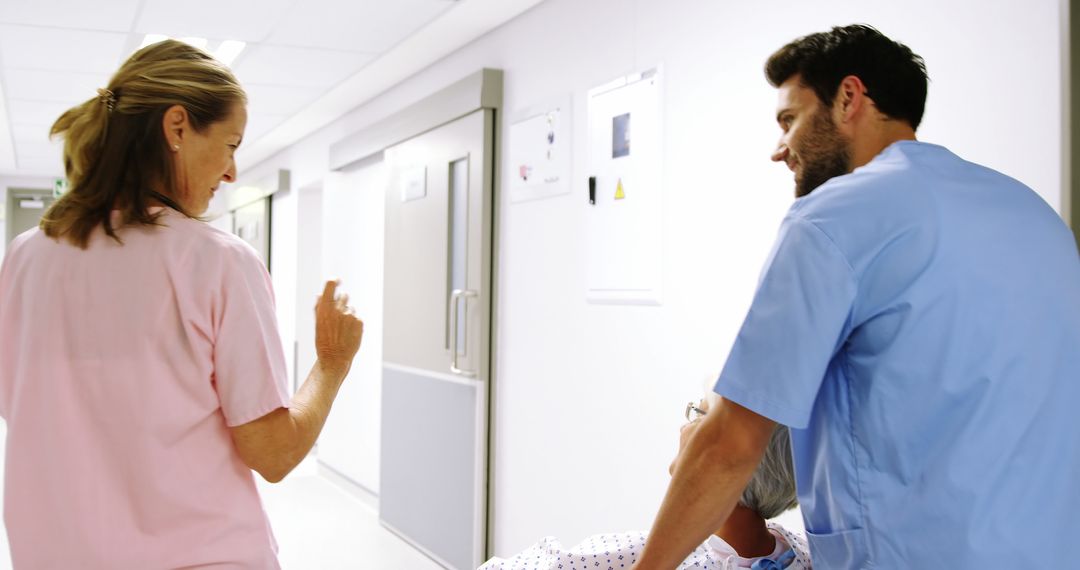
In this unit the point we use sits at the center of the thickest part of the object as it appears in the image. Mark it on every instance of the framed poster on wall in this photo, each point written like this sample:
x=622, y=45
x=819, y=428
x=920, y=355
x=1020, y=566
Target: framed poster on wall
x=624, y=224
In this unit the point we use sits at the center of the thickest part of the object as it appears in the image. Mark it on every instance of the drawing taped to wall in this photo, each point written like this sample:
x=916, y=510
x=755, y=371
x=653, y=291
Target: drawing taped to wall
x=540, y=151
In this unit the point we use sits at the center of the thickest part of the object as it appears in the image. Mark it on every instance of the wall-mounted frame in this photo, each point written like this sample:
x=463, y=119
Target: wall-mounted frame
x=540, y=153
x=625, y=218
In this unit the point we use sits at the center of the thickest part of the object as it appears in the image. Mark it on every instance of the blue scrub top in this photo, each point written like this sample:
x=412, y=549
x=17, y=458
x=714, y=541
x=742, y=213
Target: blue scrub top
x=918, y=326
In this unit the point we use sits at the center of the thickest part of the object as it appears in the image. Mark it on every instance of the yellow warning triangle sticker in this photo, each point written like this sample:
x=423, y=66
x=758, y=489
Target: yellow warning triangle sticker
x=619, y=194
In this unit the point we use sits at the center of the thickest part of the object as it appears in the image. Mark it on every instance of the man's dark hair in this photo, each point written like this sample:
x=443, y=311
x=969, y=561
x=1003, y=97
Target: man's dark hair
x=895, y=78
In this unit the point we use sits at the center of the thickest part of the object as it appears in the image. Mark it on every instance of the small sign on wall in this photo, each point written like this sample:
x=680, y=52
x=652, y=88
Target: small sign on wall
x=412, y=183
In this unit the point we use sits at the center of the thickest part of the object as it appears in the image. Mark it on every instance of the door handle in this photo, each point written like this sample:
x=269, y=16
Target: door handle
x=455, y=296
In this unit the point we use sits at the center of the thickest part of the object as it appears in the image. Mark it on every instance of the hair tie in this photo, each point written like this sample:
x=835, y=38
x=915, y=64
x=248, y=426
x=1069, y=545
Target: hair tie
x=107, y=97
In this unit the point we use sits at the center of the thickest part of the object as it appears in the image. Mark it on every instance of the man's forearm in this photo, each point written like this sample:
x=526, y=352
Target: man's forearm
x=709, y=478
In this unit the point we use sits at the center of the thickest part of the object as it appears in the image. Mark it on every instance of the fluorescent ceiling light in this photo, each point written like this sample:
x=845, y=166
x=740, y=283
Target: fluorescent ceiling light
x=32, y=204
x=228, y=50
x=197, y=42
x=152, y=39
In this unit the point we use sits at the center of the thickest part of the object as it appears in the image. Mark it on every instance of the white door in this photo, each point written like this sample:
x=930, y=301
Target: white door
x=436, y=340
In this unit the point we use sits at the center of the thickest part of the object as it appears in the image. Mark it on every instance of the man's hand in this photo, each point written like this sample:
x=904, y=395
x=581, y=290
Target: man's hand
x=338, y=331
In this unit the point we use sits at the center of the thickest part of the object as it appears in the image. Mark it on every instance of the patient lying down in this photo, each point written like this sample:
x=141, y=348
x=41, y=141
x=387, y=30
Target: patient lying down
x=746, y=540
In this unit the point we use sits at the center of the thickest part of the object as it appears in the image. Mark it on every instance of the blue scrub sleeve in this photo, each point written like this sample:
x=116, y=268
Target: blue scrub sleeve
x=798, y=321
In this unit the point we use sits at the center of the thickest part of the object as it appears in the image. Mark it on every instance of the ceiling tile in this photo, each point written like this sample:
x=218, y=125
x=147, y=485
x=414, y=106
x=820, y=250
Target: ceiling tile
x=50, y=150
x=102, y=15
x=52, y=49
x=7, y=140
x=371, y=26
x=275, y=65
x=65, y=86
x=30, y=134
x=259, y=125
x=54, y=54
x=41, y=165
x=35, y=113
x=246, y=20
x=277, y=99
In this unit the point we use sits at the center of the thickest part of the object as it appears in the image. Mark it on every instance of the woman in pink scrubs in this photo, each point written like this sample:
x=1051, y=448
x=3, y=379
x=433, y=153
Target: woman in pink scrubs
x=141, y=372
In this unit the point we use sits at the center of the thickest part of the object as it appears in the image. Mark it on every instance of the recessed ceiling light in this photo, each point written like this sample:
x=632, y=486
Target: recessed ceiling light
x=152, y=39
x=197, y=42
x=228, y=50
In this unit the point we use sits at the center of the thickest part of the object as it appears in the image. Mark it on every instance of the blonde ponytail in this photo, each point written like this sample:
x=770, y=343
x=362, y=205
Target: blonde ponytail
x=84, y=129
x=115, y=152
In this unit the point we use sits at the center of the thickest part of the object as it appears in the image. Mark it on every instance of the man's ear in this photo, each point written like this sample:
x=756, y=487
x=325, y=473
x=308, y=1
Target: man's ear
x=850, y=99
x=175, y=125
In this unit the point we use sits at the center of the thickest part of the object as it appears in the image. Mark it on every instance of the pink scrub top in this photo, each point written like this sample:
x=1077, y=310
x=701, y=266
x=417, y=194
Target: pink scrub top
x=121, y=369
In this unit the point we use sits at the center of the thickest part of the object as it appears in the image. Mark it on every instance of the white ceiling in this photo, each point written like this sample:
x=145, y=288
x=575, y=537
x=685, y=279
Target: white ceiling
x=306, y=62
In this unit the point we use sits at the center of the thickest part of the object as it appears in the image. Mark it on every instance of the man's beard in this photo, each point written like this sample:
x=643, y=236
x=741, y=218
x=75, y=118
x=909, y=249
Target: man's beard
x=824, y=155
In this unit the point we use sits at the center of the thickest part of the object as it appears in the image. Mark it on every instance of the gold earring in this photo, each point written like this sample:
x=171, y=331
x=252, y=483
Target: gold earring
x=176, y=147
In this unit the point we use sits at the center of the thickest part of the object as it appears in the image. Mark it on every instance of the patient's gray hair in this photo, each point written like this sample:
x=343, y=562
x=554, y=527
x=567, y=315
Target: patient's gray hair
x=771, y=490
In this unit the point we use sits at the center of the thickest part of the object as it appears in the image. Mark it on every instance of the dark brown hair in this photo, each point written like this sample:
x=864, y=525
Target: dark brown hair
x=115, y=152
x=894, y=76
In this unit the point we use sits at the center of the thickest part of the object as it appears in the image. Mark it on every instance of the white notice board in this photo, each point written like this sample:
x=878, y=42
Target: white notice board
x=625, y=214
x=540, y=151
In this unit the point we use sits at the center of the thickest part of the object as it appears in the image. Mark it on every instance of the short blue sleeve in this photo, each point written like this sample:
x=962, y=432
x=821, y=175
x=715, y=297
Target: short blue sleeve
x=798, y=321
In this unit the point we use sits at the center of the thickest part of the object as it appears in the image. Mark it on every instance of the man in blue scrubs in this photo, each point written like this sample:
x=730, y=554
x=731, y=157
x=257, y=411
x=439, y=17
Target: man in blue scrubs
x=917, y=325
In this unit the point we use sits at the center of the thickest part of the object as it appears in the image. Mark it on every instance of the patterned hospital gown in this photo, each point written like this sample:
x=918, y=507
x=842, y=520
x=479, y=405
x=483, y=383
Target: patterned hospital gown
x=620, y=551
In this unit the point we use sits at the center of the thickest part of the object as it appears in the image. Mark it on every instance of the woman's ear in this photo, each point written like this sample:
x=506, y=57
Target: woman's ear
x=174, y=124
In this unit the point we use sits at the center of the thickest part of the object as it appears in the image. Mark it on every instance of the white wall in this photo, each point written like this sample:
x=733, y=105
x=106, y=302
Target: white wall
x=589, y=398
